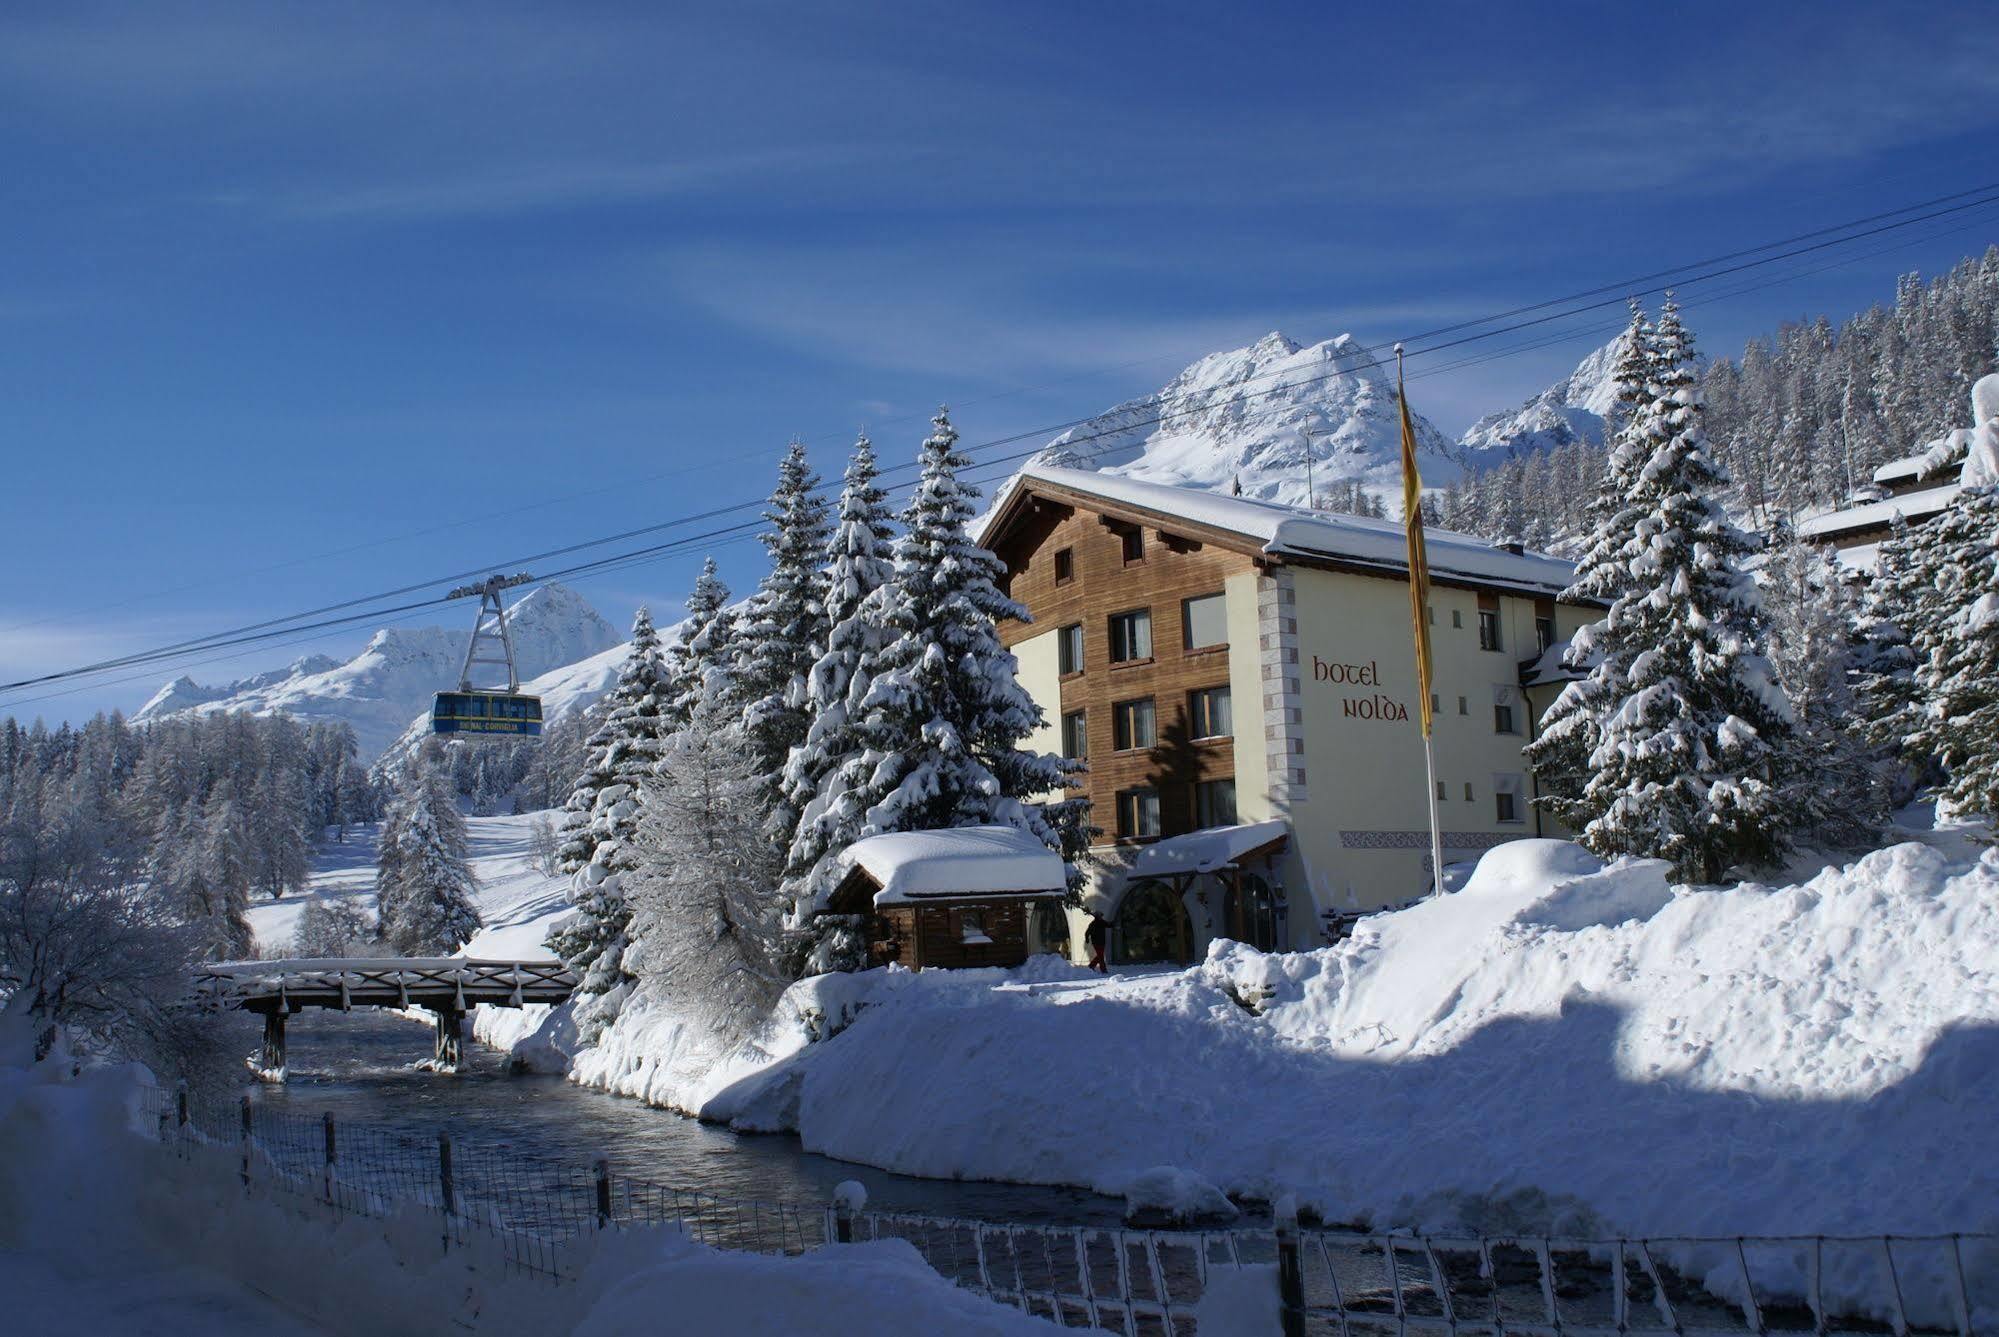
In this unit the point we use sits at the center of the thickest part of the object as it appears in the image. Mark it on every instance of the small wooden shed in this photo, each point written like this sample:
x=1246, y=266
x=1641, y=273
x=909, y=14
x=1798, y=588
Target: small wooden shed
x=955, y=898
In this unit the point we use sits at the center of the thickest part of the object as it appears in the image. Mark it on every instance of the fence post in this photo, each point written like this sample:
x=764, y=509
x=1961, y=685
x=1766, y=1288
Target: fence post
x=849, y=1197
x=331, y=1157
x=449, y=1196
x=1290, y=1271
x=180, y=1103
x=600, y=1172
x=246, y=1141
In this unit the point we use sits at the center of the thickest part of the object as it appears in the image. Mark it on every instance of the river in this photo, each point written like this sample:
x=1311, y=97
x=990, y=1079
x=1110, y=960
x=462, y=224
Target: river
x=357, y=1066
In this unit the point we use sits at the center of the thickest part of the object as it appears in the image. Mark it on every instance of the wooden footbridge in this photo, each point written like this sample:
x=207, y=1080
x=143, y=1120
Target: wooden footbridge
x=447, y=986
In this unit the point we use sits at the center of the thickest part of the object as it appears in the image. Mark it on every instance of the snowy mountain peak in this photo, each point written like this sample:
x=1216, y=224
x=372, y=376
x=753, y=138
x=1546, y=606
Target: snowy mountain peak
x=394, y=675
x=1572, y=409
x=1254, y=415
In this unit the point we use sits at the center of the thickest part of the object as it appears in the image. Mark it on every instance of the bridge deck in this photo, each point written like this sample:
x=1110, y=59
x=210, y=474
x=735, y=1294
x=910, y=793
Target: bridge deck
x=455, y=982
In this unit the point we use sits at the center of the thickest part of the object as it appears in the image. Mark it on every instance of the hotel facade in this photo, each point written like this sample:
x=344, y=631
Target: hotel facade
x=1239, y=679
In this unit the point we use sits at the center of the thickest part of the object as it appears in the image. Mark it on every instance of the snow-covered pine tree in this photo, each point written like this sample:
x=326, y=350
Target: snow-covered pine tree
x=1687, y=764
x=591, y=940
x=816, y=775
x=1887, y=701
x=701, y=671
x=1838, y=779
x=781, y=633
x=1568, y=732
x=423, y=880
x=1954, y=623
x=944, y=715
x=700, y=693
x=226, y=869
x=706, y=933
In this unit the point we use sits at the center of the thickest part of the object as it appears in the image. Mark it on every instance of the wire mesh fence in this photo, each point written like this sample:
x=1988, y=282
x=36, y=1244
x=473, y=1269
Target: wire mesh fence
x=1327, y=1283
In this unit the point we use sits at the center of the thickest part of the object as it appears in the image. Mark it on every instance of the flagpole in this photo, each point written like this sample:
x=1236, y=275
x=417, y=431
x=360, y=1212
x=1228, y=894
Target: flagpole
x=1419, y=612
x=1436, y=837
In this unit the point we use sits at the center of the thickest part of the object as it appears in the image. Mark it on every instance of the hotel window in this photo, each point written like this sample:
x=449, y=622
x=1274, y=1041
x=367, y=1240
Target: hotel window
x=1505, y=710
x=1137, y=812
x=1208, y=713
x=1464, y=707
x=1214, y=803
x=1132, y=543
x=1134, y=724
x=1468, y=797
x=1431, y=609
x=1206, y=621
x=1076, y=735
x=1436, y=705
x=1457, y=617
x=1065, y=565
x=1544, y=624
x=1440, y=791
x=1507, y=798
x=1069, y=647
x=1131, y=636
x=1488, y=622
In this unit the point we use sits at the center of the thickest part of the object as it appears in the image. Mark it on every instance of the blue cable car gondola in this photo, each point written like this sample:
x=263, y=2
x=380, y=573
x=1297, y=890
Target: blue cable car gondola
x=488, y=710
x=486, y=713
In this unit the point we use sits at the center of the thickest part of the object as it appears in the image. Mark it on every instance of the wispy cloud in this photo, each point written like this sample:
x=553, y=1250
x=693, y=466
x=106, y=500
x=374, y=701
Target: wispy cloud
x=523, y=187
x=945, y=309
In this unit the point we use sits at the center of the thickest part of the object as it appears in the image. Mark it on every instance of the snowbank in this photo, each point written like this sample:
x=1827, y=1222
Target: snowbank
x=1559, y=1047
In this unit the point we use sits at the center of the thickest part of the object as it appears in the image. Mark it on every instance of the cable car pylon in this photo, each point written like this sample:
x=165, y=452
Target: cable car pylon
x=488, y=710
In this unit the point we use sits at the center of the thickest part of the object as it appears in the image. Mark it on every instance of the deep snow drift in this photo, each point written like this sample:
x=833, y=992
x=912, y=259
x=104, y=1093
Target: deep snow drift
x=1553, y=1048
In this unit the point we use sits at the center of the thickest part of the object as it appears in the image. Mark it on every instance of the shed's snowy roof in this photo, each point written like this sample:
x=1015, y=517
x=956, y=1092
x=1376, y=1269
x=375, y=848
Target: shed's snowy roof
x=962, y=861
x=1295, y=531
x=1878, y=514
x=1204, y=851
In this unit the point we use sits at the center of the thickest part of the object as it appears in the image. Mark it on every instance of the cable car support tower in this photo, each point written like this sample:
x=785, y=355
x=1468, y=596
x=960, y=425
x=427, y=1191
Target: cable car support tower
x=488, y=710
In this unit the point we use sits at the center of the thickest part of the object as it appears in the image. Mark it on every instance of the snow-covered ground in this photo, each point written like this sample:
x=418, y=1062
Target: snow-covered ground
x=1556, y=1047
x=517, y=903
x=101, y=1230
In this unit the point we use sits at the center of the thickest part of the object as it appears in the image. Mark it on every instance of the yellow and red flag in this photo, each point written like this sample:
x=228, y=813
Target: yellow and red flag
x=1419, y=561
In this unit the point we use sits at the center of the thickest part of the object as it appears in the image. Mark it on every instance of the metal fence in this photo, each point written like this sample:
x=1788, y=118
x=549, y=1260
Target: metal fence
x=1142, y=1282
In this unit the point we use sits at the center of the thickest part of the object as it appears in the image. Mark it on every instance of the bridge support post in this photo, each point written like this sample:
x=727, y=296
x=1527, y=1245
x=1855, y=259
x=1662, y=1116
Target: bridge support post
x=450, y=1038
x=271, y=1062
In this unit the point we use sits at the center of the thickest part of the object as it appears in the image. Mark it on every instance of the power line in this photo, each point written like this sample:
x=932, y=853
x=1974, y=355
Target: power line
x=1467, y=331
x=742, y=532
x=1620, y=288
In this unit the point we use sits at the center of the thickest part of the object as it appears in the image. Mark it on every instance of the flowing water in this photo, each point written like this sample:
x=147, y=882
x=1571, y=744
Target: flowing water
x=358, y=1067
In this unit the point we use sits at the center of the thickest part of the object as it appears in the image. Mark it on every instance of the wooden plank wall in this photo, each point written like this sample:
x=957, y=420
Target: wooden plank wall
x=1103, y=583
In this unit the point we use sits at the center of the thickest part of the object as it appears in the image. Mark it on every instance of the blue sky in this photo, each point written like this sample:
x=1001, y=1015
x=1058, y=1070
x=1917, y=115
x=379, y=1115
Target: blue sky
x=299, y=302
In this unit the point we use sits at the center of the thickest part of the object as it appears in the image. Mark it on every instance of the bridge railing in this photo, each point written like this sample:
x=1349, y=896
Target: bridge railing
x=530, y=1213
x=227, y=982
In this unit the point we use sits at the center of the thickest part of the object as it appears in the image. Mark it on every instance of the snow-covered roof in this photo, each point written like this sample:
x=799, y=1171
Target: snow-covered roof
x=1548, y=666
x=1879, y=514
x=1203, y=851
x=1294, y=531
x=963, y=861
x=1905, y=470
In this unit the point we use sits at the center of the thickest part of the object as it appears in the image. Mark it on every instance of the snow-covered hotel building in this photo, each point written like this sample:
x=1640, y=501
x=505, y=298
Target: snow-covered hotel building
x=1239, y=677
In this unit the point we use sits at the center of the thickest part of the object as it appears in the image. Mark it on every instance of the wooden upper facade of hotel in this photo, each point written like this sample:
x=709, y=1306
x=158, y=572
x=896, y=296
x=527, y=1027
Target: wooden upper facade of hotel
x=1084, y=568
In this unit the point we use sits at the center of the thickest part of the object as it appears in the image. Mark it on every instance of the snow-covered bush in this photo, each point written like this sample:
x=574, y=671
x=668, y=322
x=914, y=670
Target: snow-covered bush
x=334, y=929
